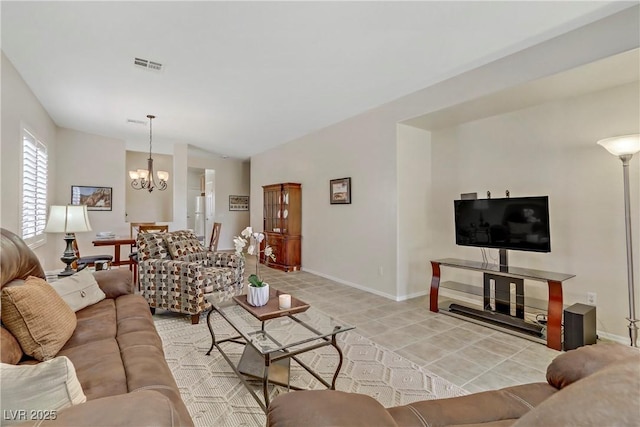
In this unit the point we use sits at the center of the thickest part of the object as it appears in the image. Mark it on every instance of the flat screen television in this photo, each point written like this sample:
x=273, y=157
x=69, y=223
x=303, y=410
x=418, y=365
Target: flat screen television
x=518, y=223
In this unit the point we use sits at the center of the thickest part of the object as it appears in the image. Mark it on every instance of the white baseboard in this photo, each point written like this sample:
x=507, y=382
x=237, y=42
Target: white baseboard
x=612, y=337
x=351, y=284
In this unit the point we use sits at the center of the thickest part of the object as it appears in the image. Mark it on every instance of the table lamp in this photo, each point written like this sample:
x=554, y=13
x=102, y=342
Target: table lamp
x=68, y=219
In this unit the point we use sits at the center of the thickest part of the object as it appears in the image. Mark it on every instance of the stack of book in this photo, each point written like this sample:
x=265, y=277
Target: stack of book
x=106, y=235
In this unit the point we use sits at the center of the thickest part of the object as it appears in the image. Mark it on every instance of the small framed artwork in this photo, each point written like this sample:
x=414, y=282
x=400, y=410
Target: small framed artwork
x=340, y=191
x=96, y=198
x=238, y=203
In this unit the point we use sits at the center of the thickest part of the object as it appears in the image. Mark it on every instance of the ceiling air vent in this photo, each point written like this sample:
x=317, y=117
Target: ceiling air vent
x=149, y=65
x=136, y=122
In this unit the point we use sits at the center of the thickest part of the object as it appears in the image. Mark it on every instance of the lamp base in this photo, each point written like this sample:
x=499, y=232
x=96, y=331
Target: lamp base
x=633, y=332
x=69, y=256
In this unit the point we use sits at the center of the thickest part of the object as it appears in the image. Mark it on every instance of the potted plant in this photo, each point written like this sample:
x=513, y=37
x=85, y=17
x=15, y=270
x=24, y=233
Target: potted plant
x=258, y=291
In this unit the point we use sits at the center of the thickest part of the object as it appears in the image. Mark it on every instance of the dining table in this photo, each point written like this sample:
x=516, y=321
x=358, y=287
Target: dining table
x=117, y=242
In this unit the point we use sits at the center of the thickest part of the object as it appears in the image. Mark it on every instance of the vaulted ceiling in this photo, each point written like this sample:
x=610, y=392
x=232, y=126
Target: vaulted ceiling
x=238, y=78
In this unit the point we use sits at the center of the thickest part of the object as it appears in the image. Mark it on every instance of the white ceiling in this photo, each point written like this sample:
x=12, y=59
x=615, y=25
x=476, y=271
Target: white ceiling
x=606, y=73
x=242, y=77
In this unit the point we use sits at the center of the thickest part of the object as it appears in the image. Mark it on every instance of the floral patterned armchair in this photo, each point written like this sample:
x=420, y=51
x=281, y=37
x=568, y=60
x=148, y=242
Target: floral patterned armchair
x=176, y=272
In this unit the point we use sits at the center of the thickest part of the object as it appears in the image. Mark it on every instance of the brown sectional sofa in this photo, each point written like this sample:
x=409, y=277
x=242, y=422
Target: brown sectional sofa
x=115, y=349
x=597, y=385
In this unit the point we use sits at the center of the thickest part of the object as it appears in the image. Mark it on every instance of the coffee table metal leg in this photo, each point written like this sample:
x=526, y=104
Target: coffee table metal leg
x=335, y=375
x=265, y=379
x=213, y=335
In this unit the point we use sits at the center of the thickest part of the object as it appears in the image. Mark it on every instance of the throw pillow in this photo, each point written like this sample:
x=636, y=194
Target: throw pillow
x=38, y=317
x=79, y=290
x=151, y=245
x=37, y=392
x=182, y=243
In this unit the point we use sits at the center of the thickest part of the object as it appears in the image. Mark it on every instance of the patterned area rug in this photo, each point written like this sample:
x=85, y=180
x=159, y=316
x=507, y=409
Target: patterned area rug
x=215, y=396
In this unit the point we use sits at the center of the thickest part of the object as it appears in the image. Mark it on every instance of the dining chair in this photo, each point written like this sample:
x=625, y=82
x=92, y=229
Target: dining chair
x=215, y=236
x=89, y=260
x=155, y=228
x=133, y=228
x=142, y=227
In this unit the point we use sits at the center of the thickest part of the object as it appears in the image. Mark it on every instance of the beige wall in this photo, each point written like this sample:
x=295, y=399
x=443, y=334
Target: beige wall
x=78, y=158
x=414, y=211
x=352, y=243
x=20, y=108
x=142, y=205
x=550, y=149
x=96, y=161
x=232, y=178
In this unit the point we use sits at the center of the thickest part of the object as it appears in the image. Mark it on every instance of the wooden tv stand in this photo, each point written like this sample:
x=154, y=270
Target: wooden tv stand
x=554, y=283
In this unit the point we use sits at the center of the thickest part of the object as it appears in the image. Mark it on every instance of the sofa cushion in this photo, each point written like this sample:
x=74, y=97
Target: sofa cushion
x=115, y=282
x=94, y=323
x=182, y=243
x=10, y=351
x=142, y=408
x=38, y=317
x=576, y=364
x=99, y=368
x=79, y=290
x=39, y=389
x=607, y=398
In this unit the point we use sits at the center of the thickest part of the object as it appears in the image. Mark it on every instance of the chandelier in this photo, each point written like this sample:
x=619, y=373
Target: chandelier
x=143, y=178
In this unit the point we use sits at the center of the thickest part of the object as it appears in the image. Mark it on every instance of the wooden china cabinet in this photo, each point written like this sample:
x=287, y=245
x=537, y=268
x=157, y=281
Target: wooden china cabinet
x=282, y=225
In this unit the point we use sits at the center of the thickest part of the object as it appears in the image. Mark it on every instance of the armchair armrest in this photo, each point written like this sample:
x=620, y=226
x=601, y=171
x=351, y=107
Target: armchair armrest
x=225, y=259
x=230, y=260
x=114, y=282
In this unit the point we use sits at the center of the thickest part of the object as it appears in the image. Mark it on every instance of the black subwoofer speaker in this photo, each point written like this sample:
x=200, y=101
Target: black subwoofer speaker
x=579, y=326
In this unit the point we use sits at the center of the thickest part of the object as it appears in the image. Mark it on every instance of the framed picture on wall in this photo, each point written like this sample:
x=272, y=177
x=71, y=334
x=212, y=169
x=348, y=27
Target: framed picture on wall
x=238, y=203
x=340, y=191
x=96, y=198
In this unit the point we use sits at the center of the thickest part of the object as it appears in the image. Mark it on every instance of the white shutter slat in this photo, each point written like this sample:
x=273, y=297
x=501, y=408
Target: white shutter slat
x=34, y=188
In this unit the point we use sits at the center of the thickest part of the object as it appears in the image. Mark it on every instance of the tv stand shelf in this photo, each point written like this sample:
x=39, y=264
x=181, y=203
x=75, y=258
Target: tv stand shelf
x=554, y=303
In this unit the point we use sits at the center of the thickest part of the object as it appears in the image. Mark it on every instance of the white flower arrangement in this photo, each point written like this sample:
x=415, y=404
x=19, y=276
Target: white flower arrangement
x=253, y=240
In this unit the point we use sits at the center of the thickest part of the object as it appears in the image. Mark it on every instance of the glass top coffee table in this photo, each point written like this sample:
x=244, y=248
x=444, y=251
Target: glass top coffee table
x=273, y=337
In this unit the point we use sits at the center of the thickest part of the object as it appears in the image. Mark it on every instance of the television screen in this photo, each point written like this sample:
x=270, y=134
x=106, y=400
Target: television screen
x=519, y=223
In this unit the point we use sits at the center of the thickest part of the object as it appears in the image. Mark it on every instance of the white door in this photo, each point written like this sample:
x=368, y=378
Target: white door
x=210, y=202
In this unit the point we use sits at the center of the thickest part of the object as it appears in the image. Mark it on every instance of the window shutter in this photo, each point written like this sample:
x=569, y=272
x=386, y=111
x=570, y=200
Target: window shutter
x=34, y=189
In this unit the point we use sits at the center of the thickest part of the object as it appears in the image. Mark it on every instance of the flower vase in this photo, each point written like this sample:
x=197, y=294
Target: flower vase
x=258, y=297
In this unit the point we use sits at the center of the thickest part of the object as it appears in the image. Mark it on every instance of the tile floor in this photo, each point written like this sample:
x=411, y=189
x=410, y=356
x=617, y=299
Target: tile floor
x=469, y=355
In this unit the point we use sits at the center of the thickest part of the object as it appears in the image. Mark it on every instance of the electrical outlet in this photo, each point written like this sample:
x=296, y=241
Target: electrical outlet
x=591, y=298
x=380, y=271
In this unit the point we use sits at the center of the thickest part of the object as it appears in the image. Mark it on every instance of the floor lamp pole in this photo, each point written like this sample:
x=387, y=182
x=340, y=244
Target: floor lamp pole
x=633, y=328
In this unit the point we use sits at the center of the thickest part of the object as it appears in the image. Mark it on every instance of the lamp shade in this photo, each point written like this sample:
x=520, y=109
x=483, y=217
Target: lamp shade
x=621, y=145
x=68, y=219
